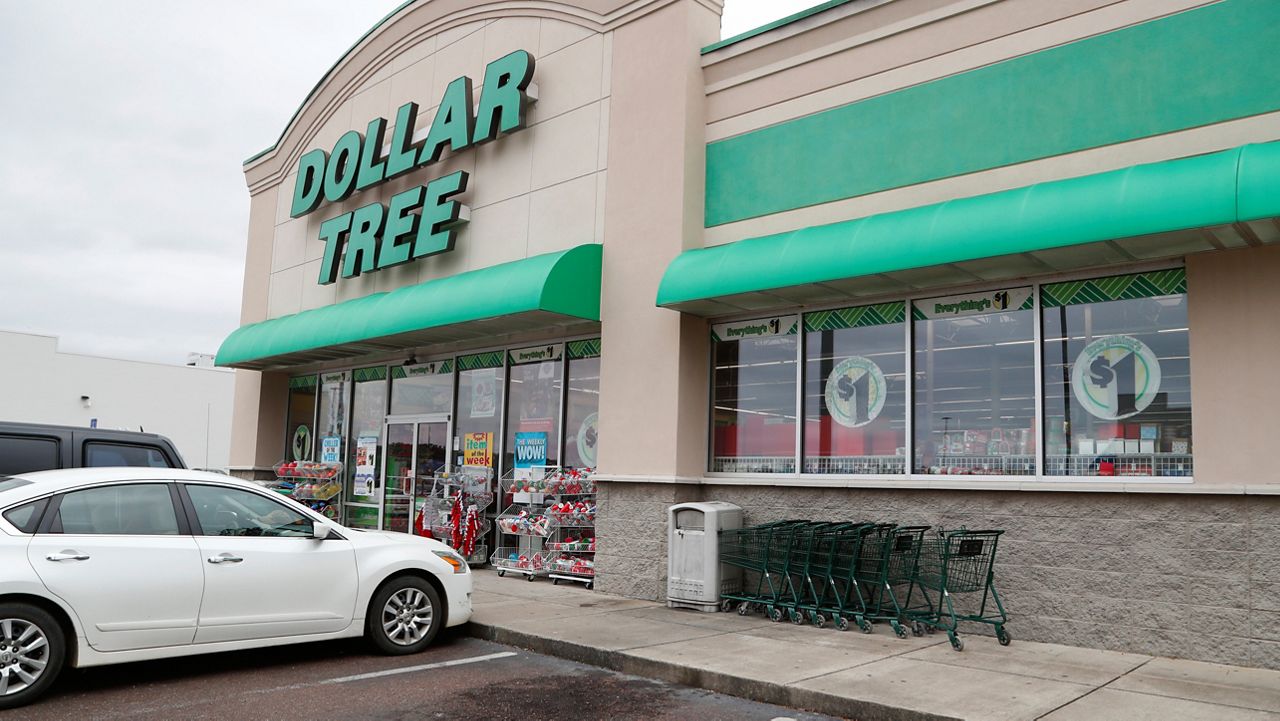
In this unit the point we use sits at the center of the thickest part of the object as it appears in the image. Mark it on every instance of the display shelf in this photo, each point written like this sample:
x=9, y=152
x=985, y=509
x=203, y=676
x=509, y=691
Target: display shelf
x=315, y=485
x=548, y=523
x=453, y=510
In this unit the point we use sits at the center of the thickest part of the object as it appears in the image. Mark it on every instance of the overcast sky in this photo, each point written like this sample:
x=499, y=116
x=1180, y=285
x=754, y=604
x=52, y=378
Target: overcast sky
x=123, y=208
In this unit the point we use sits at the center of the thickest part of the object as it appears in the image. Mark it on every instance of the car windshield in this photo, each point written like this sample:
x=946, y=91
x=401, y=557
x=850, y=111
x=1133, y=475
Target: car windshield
x=7, y=483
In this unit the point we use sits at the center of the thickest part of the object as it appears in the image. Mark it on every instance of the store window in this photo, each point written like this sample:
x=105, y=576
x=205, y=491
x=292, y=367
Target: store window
x=581, y=420
x=855, y=390
x=368, y=414
x=479, y=412
x=300, y=438
x=975, y=383
x=1117, y=371
x=422, y=389
x=754, y=395
x=533, y=406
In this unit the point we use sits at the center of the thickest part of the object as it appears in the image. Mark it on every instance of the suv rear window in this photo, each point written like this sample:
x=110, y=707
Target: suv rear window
x=121, y=454
x=23, y=454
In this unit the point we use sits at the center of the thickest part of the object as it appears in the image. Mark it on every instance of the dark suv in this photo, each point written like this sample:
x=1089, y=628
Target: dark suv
x=26, y=447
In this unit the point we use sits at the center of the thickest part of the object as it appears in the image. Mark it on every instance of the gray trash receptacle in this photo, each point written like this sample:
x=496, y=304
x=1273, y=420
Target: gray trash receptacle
x=695, y=577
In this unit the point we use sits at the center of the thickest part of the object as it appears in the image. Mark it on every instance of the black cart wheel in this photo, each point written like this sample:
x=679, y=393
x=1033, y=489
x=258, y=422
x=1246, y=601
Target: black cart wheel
x=501, y=573
x=528, y=577
x=956, y=642
x=1002, y=635
x=554, y=581
x=900, y=630
x=744, y=608
x=404, y=616
x=32, y=651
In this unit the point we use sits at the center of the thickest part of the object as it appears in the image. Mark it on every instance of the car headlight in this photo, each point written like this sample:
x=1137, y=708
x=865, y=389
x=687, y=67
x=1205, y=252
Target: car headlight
x=458, y=562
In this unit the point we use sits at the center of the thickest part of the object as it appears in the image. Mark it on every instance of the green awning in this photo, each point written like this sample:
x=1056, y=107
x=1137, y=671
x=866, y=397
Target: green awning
x=1145, y=212
x=555, y=289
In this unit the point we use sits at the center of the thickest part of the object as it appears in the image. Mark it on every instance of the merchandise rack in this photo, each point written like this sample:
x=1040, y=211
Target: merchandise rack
x=436, y=509
x=548, y=526
x=315, y=485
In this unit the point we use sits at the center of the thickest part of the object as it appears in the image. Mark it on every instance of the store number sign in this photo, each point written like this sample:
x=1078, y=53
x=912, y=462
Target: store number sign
x=423, y=220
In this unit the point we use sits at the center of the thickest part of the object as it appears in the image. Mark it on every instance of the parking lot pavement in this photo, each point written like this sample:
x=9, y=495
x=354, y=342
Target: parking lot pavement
x=459, y=678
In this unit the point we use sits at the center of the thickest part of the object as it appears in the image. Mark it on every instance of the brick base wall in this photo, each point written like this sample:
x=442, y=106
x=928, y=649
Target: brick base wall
x=1182, y=575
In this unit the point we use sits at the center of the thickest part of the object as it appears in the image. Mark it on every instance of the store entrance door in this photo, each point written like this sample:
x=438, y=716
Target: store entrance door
x=417, y=447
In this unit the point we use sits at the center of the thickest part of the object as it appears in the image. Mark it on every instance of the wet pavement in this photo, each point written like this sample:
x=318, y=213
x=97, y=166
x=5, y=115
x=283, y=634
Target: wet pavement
x=459, y=678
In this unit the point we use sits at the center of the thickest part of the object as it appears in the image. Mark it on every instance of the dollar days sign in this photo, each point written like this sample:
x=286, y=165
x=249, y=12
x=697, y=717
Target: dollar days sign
x=1102, y=372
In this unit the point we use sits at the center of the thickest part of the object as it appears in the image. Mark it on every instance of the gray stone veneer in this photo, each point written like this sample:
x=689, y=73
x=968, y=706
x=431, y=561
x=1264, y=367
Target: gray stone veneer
x=1183, y=575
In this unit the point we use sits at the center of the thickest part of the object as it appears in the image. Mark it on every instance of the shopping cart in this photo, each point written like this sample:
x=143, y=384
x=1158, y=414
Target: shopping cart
x=761, y=552
x=950, y=563
x=832, y=562
x=895, y=566
x=804, y=573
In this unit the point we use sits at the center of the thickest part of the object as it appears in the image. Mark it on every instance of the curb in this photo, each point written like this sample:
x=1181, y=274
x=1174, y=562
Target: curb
x=762, y=691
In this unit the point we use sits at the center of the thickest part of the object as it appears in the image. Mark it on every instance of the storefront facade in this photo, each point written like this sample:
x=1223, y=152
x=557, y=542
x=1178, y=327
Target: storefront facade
x=998, y=263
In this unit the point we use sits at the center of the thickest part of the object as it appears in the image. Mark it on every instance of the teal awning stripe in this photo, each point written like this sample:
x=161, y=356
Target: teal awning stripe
x=565, y=283
x=1206, y=190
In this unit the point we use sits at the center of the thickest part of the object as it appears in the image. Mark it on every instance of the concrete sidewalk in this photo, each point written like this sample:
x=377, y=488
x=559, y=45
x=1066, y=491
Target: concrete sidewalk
x=864, y=677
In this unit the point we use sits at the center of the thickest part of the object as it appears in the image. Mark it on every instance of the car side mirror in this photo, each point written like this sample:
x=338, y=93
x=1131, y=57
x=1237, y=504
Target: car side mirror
x=321, y=531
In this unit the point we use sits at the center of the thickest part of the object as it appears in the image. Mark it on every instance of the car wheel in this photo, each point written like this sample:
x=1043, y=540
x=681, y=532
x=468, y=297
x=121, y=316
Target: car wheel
x=404, y=616
x=32, y=650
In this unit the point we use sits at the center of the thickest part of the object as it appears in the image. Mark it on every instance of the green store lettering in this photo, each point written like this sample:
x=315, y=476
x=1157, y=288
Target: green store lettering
x=423, y=220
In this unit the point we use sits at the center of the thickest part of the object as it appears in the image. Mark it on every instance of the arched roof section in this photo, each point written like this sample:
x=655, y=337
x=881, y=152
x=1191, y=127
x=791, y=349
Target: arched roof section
x=407, y=25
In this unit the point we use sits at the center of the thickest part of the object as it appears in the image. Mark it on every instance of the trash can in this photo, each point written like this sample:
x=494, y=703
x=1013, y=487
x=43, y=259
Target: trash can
x=695, y=578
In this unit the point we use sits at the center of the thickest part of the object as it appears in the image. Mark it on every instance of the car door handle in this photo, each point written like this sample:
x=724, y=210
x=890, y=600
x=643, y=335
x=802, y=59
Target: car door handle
x=68, y=556
x=225, y=558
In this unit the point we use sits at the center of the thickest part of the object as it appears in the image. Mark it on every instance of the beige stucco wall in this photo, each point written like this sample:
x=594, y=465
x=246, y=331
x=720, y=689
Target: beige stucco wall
x=653, y=367
x=1235, y=400
x=533, y=191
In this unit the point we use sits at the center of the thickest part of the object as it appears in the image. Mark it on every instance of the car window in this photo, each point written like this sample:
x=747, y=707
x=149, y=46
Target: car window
x=27, y=516
x=97, y=455
x=23, y=454
x=133, y=510
x=226, y=511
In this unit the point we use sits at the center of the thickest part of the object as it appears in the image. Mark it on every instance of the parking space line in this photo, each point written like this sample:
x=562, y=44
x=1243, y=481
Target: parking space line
x=412, y=669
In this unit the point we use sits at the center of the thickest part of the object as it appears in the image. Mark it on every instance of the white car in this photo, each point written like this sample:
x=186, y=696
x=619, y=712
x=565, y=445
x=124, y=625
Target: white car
x=110, y=565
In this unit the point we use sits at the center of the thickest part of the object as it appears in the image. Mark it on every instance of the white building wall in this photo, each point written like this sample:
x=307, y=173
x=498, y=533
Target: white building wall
x=189, y=405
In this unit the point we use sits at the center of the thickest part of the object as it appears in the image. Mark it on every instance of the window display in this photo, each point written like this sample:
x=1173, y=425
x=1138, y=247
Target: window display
x=363, y=470
x=975, y=383
x=855, y=390
x=533, y=406
x=1117, y=372
x=302, y=417
x=581, y=421
x=479, y=409
x=754, y=395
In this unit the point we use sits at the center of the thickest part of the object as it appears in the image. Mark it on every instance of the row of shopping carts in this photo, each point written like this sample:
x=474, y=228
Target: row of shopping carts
x=916, y=579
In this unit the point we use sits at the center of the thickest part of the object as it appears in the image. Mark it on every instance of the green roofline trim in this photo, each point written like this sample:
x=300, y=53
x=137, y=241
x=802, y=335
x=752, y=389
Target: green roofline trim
x=565, y=283
x=775, y=24
x=325, y=77
x=1230, y=186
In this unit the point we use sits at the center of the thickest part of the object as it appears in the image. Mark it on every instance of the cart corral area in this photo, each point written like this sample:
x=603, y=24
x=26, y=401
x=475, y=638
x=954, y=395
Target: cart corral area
x=867, y=677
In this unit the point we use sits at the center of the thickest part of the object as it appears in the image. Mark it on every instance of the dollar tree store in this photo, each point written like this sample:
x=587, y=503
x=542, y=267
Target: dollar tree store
x=984, y=263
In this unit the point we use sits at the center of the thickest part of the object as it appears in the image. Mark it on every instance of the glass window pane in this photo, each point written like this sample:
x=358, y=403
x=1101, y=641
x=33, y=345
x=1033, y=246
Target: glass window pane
x=581, y=421
x=1117, y=379
x=233, y=512
x=368, y=414
x=855, y=390
x=479, y=411
x=754, y=396
x=422, y=389
x=136, y=510
x=300, y=441
x=22, y=454
x=533, y=407
x=975, y=382
x=26, y=517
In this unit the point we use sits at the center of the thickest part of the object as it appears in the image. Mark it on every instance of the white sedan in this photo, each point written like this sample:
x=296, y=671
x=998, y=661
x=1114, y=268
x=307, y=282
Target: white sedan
x=110, y=565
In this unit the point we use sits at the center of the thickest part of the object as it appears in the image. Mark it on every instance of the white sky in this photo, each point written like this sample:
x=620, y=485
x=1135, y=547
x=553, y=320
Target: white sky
x=103, y=99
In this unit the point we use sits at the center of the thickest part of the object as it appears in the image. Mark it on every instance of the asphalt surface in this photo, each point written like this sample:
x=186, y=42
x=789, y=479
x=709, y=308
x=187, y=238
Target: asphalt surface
x=458, y=678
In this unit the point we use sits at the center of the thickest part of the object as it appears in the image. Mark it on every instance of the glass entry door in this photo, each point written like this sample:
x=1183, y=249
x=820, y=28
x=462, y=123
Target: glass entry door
x=417, y=447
